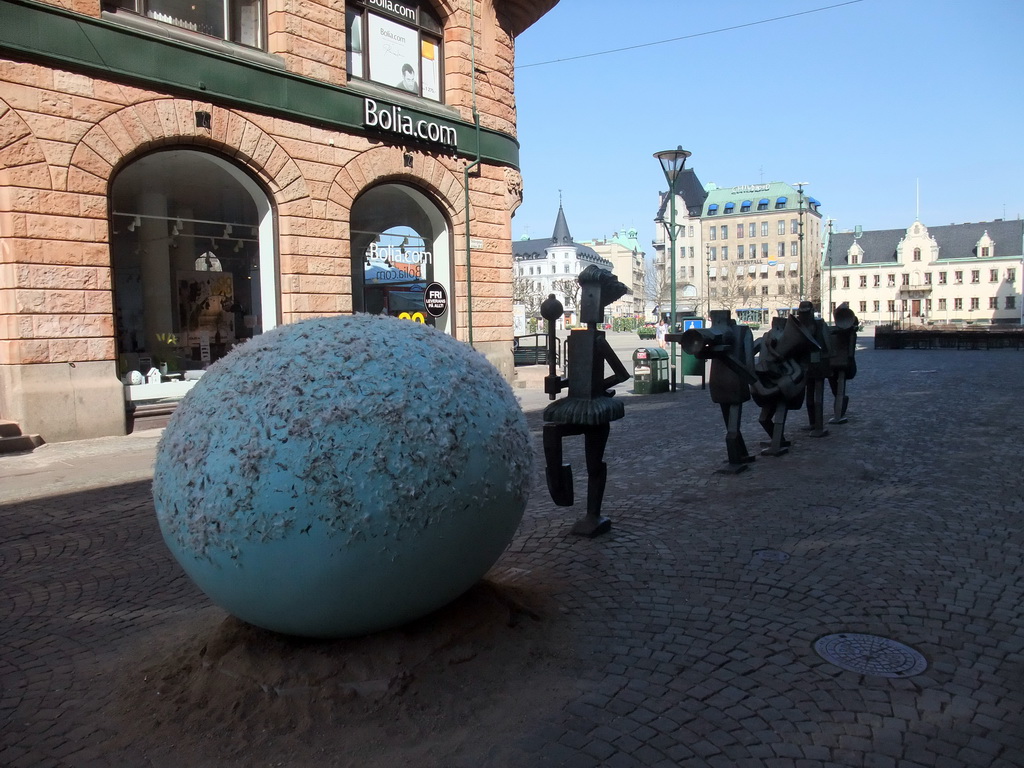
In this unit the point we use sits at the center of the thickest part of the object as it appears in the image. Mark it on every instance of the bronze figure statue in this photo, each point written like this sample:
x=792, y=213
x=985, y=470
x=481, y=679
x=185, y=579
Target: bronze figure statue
x=779, y=387
x=815, y=363
x=843, y=363
x=590, y=406
x=730, y=347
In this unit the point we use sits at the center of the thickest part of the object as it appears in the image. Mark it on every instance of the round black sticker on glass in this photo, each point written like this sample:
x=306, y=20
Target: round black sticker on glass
x=435, y=299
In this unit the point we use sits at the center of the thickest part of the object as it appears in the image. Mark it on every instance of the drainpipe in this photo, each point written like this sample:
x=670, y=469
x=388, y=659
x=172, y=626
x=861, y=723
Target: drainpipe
x=469, y=167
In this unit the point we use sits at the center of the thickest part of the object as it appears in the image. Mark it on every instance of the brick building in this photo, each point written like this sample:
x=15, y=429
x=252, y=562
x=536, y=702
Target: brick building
x=176, y=178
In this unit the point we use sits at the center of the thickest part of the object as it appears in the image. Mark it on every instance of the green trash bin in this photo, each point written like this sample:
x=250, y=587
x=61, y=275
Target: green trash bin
x=650, y=371
x=688, y=364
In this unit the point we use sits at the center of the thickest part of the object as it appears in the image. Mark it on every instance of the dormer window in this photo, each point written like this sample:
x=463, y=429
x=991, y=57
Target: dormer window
x=395, y=43
x=745, y=206
x=985, y=246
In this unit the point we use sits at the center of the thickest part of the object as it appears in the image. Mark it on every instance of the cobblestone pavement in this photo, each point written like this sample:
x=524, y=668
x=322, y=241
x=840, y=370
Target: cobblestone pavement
x=696, y=617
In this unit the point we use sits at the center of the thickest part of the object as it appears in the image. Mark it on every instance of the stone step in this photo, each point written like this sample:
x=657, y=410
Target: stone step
x=13, y=441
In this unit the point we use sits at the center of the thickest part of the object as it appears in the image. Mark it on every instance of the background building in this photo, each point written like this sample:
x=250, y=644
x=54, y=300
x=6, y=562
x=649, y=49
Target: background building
x=629, y=264
x=176, y=178
x=956, y=273
x=549, y=265
x=762, y=245
x=691, y=296
x=752, y=249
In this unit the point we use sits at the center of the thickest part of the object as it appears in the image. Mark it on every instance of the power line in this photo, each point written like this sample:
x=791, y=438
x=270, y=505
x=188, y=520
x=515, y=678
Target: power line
x=688, y=37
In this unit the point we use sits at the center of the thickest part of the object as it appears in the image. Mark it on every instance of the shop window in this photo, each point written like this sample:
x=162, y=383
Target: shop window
x=240, y=21
x=400, y=248
x=397, y=44
x=193, y=272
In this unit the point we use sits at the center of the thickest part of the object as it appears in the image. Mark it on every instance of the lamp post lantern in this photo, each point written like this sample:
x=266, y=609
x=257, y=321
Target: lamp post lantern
x=672, y=162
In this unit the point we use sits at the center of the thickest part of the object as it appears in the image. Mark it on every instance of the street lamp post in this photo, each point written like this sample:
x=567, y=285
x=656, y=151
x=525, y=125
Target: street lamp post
x=672, y=162
x=830, y=278
x=800, y=189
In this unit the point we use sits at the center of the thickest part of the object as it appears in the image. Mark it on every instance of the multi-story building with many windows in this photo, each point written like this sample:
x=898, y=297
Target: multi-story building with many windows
x=958, y=273
x=178, y=177
x=549, y=265
x=691, y=299
x=629, y=264
x=762, y=246
x=752, y=249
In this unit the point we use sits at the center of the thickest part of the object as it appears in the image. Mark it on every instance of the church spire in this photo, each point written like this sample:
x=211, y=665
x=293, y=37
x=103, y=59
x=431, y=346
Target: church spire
x=561, y=234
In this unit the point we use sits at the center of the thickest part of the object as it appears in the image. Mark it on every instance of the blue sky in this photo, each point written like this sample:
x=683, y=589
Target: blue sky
x=867, y=102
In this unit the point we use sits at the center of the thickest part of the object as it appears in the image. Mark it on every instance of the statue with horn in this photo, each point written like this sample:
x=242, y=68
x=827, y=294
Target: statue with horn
x=590, y=406
x=779, y=387
x=815, y=363
x=730, y=347
x=843, y=363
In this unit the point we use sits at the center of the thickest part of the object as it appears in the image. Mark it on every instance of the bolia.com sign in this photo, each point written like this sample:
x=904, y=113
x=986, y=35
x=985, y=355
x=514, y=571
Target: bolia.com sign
x=391, y=118
x=412, y=259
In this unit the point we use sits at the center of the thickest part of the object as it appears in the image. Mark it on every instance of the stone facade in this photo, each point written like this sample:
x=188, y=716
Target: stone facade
x=66, y=132
x=951, y=274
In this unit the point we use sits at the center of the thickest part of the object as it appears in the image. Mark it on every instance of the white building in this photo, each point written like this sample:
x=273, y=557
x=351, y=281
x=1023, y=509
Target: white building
x=957, y=273
x=628, y=261
x=550, y=265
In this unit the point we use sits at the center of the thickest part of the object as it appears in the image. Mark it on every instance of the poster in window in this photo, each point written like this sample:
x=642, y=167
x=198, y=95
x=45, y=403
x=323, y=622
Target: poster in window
x=205, y=306
x=429, y=70
x=354, y=42
x=394, y=54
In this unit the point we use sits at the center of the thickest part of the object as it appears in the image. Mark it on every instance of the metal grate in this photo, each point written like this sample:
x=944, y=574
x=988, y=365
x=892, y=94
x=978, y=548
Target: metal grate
x=870, y=655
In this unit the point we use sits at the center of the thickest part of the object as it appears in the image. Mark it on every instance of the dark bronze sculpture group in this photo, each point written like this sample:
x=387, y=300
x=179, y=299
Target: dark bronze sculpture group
x=781, y=371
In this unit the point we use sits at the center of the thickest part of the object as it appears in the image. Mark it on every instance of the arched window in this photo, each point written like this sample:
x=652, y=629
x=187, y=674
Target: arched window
x=194, y=274
x=917, y=254
x=400, y=246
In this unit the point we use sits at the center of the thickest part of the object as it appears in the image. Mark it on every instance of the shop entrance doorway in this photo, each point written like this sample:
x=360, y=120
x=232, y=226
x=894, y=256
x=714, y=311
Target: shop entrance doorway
x=194, y=272
x=401, y=247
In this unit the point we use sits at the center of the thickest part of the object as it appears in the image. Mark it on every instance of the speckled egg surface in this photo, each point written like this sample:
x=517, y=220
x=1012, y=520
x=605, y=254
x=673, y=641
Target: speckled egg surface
x=342, y=475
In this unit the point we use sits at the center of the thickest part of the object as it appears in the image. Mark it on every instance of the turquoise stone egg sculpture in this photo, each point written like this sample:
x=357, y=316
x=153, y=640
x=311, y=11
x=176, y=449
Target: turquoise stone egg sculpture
x=342, y=475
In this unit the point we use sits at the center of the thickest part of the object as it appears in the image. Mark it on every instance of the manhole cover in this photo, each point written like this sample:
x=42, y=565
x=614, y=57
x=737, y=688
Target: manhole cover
x=870, y=655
